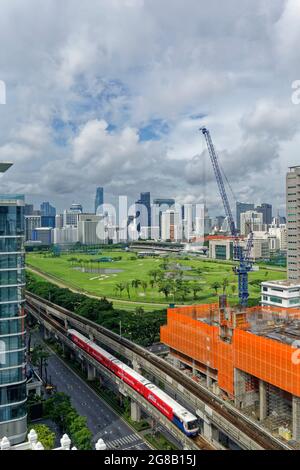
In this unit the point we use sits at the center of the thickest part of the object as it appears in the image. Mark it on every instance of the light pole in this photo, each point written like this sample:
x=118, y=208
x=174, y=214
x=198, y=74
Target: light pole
x=120, y=328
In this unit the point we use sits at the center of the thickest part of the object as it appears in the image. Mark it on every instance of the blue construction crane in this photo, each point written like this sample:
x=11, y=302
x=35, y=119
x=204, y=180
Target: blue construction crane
x=241, y=255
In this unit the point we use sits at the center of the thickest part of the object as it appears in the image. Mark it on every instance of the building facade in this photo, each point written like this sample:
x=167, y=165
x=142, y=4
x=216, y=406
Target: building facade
x=13, y=415
x=266, y=211
x=240, y=208
x=99, y=199
x=280, y=293
x=31, y=222
x=251, y=220
x=293, y=222
x=47, y=209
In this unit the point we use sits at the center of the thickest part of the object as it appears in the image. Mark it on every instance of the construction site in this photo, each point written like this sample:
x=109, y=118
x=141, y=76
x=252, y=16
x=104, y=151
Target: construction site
x=248, y=356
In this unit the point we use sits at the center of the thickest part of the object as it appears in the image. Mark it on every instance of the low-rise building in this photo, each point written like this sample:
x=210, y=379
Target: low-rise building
x=283, y=293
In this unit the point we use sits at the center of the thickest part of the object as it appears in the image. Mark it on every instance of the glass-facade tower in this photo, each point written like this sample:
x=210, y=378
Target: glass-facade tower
x=13, y=416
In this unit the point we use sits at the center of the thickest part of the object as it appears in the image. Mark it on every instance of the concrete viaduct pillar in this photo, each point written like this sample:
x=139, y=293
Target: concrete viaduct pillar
x=135, y=408
x=296, y=418
x=91, y=372
x=263, y=411
x=239, y=388
x=46, y=334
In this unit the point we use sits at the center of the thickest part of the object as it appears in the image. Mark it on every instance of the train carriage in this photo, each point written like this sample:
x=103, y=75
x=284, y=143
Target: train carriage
x=175, y=412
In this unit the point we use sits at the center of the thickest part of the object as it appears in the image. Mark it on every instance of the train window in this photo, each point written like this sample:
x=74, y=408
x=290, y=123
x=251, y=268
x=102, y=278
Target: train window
x=192, y=424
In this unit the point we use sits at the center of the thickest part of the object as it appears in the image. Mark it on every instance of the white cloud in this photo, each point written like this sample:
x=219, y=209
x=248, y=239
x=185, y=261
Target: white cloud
x=83, y=78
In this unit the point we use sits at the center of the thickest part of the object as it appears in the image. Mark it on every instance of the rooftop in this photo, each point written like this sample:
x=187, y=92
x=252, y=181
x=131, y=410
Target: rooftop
x=283, y=283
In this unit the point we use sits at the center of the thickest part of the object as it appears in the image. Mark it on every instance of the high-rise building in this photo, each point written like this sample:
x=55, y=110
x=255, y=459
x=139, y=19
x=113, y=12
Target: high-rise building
x=266, y=211
x=251, y=221
x=143, y=212
x=242, y=207
x=48, y=221
x=99, y=198
x=13, y=413
x=31, y=222
x=47, y=209
x=28, y=209
x=171, y=226
x=76, y=208
x=159, y=206
x=87, y=229
x=293, y=222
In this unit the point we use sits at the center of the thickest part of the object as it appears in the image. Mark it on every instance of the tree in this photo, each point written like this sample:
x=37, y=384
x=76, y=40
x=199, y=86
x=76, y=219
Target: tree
x=195, y=288
x=184, y=291
x=120, y=286
x=155, y=274
x=216, y=286
x=39, y=358
x=45, y=436
x=127, y=287
x=233, y=289
x=165, y=288
x=144, y=286
x=135, y=283
x=225, y=284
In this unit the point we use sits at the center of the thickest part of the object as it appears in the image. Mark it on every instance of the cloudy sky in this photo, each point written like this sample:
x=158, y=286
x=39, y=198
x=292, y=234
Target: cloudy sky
x=112, y=93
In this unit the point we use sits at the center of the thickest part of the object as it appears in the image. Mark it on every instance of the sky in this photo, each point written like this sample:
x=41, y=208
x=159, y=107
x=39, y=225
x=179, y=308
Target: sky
x=112, y=93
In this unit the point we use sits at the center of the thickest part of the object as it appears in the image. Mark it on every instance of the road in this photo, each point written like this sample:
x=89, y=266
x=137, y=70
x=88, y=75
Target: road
x=102, y=420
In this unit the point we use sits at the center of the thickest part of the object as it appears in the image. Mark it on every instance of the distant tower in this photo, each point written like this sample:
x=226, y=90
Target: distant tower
x=99, y=198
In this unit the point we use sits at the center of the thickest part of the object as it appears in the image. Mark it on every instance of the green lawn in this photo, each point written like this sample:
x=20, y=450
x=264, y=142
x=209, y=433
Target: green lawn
x=205, y=273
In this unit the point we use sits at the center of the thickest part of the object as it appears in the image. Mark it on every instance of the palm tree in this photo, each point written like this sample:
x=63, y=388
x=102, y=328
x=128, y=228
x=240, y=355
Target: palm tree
x=144, y=286
x=225, y=284
x=165, y=288
x=135, y=283
x=216, y=286
x=233, y=289
x=195, y=288
x=127, y=287
x=120, y=286
x=155, y=274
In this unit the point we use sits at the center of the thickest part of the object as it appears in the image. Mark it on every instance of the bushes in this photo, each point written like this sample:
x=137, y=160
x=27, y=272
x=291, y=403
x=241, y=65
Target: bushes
x=59, y=409
x=45, y=435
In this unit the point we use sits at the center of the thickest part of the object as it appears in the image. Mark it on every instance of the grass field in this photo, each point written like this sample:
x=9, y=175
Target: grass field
x=129, y=268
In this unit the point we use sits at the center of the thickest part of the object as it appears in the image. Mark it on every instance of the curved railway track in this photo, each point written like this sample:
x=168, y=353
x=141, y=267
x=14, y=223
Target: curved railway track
x=233, y=416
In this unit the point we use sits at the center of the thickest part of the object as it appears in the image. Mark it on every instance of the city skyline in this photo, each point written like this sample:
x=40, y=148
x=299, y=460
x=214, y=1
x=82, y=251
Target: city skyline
x=127, y=118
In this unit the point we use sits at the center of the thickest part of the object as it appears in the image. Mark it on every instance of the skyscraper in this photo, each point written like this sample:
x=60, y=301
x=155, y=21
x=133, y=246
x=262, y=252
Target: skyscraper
x=99, y=198
x=13, y=414
x=293, y=223
x=266, y=211
x=242, y=207
x=144, y=213
x=47, y=209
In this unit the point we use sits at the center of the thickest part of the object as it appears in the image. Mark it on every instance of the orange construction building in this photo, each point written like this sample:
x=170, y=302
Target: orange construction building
x=250, y=356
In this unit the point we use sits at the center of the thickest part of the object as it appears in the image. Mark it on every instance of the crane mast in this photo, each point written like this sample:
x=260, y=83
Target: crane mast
x=241, y=255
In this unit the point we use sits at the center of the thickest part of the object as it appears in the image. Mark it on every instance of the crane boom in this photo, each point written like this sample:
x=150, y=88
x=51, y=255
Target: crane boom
x=218, y=175
x=243, y=256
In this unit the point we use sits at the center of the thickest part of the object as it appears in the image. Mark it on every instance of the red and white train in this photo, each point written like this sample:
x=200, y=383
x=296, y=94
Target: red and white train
x=175, y=412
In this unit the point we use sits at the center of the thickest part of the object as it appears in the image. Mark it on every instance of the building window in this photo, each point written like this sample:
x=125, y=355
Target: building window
x=275, y=300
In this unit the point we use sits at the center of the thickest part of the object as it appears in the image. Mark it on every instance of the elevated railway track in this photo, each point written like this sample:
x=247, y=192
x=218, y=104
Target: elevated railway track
x=246, y=432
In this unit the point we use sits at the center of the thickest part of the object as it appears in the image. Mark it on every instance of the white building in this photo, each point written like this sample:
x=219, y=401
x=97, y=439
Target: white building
x=171, y=227
x=280, y=293
x=280, y=232
x=59, y=221
x=87, y=229
x=31, y=222
x=251, y=221
x=65, y=235
x=70, y=218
